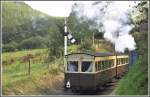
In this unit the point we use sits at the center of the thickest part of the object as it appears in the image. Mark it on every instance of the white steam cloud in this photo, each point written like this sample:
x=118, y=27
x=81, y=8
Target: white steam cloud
x=124, y=42
x=115, y=21
x=117, y=26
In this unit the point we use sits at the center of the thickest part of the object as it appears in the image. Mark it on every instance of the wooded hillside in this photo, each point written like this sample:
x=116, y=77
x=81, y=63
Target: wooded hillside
x=25, y=28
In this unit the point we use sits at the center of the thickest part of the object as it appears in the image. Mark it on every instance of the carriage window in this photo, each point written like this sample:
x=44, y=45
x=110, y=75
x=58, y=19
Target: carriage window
x=86, y=66
x=72, y=66
x=112, y=64
x=96, y=66
x=106, y=64
x=103, y=64
x=122, y=62
x=126, y=60
x=117, y=61
x=99, y=65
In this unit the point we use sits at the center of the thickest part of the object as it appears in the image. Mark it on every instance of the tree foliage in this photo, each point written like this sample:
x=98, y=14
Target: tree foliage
x=26, y=27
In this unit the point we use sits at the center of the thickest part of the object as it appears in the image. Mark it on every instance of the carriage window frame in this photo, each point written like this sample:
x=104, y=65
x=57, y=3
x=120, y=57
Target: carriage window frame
x=96, y=66
x=106, y=64
x=121, y=60
x=127, y=60
x=124, y=60
x=76, y=68
x=110, y=63
x=91, y=64
x=102, y=63
x=118, y=61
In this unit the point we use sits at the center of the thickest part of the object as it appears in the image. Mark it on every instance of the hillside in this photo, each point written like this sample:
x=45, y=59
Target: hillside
x=25, y=28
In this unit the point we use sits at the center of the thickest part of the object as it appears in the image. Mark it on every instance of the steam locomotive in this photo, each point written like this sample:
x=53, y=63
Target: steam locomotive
x=89, y=71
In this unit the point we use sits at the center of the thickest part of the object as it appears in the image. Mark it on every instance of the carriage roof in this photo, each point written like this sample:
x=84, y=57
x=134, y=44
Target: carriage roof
x=97, y=54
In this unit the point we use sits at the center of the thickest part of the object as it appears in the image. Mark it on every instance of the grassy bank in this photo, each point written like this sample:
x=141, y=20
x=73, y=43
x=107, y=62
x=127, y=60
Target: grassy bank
x=44, y=77
x=136, y=81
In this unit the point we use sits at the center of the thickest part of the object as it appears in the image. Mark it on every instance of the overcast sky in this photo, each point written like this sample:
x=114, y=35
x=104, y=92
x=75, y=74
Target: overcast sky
x=63, y=8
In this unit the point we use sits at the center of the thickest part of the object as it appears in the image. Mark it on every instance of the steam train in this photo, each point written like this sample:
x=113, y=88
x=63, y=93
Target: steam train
x=89, y=71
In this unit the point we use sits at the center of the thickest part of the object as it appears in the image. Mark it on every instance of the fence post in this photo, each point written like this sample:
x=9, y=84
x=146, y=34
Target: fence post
x=29, y=66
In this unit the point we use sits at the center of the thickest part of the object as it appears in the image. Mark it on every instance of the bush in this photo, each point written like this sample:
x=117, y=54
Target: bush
x=86, y=45
x=32, y=42
x=9, y=47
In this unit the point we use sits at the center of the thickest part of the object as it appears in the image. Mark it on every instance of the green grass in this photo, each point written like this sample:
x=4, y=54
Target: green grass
x=10, y=57
x=136, y=81
x=16, y=79
x=19, y=71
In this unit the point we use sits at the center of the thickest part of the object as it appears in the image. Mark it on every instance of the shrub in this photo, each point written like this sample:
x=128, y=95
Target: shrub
x=32, y=42
x=9, y=47
x=86, y=45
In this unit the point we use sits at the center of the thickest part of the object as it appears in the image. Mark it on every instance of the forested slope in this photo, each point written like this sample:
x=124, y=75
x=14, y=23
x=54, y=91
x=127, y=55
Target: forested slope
x=25, y=28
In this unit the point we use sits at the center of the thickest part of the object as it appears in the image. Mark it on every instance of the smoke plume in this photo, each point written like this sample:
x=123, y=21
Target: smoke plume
x=112, y=19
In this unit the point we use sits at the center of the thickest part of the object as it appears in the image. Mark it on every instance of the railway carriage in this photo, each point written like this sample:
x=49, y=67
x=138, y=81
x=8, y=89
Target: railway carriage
x=88, y=71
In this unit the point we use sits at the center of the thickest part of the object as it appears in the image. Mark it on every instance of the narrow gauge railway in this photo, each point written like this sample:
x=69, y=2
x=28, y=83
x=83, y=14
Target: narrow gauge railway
x=89, y=71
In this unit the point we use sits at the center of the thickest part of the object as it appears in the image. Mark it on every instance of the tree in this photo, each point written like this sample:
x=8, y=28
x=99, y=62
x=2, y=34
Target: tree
x=55, y=41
